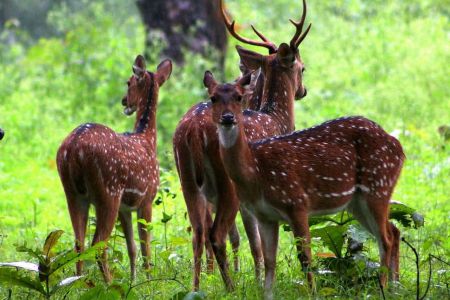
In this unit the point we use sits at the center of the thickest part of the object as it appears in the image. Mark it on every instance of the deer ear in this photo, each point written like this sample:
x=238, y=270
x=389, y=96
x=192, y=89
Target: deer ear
x=250, y=59
x=163, y=71
x=285, y=55
x=209, y=82
x=139, y=66
x=245, y=79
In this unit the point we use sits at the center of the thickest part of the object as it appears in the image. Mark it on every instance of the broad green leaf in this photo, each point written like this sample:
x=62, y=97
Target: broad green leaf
x=10, y=276
x=166, y=218
x=71, y=257
x=357, y=233
x=22, y=265
x=332, y=237
x=65, y=282
x=99, y=292
x=51, y=241
x=185, y=295
x=405, y=215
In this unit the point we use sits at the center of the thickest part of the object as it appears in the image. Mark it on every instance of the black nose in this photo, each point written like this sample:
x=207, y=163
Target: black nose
x=124, y=101
x=305, y=92
x=2, y=133
x=227, y=119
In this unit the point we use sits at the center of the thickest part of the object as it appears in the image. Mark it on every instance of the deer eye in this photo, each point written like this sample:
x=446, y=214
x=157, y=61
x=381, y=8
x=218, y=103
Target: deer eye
x=213, y=99
x=239, y=98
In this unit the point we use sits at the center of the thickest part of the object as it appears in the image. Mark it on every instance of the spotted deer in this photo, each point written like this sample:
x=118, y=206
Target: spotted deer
x=348, y=163
x=196, y=148
x=117, y=173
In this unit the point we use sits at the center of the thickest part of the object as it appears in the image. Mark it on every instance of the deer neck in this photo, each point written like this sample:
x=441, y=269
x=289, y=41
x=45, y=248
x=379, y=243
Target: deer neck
x=146, y=114
x=279, y=95
x=236, y=154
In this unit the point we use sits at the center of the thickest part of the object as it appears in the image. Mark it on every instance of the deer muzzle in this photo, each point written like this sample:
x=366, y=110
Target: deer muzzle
x=227, y=119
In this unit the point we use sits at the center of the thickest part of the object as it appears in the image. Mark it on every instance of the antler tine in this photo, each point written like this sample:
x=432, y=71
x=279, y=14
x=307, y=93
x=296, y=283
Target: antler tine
x=230, y=26
x=273, y=48
x=302, y=37
x=299, y=27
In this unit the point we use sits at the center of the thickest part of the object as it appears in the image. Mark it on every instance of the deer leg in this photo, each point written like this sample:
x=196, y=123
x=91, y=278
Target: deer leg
x=269, y=239
x=395, y=253
x=235, y=243
x=145, y=212
x=227, y=209
x=300, y=229
x=372, y=213
x=208, y=246
x=254, y=240
x=127, y=226
x=196, y=207
x=106, y=218
x=79, y=212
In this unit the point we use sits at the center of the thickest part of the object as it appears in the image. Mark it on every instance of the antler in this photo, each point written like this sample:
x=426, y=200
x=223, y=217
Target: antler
x=230, y=26
x=299, y=36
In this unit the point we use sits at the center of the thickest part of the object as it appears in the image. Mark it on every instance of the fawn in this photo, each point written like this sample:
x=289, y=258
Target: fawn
x=196, y=148
x=117, y=173
x=348, y=163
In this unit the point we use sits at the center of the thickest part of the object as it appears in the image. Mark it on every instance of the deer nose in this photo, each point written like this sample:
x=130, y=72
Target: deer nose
x=124, y=101
x=227, y=119
x=2, y=133
x=305, y=92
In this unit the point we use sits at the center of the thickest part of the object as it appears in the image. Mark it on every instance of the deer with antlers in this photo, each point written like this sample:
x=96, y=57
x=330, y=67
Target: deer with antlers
x=117, y=173
x=196, y=147
x=348, y=163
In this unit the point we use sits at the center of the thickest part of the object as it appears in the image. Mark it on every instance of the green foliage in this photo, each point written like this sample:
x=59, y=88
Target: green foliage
x=38, y=276
x=386, y=60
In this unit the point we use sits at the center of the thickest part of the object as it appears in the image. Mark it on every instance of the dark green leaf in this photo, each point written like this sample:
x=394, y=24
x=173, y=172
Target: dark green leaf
x=11, y=276
x=51, y=241
x=166, y=218
x=405, y=215
x=72, y=257
x=332, y=237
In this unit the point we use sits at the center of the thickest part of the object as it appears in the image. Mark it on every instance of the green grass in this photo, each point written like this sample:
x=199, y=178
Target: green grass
x=388, y=62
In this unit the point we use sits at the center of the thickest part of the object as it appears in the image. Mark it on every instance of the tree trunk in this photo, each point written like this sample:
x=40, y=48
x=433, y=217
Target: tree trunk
x=195, y=25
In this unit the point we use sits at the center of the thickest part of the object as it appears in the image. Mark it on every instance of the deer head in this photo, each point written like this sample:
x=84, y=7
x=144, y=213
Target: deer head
x=282, y=62
x=227, y=104
x=142, y=81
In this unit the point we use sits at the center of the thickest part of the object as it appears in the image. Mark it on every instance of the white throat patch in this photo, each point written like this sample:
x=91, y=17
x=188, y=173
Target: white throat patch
x=228, y=135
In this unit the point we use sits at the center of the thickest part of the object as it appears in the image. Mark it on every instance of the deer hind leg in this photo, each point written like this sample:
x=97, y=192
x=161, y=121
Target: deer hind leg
x=254, y=239
x=395, y=253
x=127, y=226
x=233, y=234
x=79, y=212
x=106, y=219
x=269, y=239
x=300, y=229
x=145, y=236
x=208, y=246
x=196, y=207
x=372, y=212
